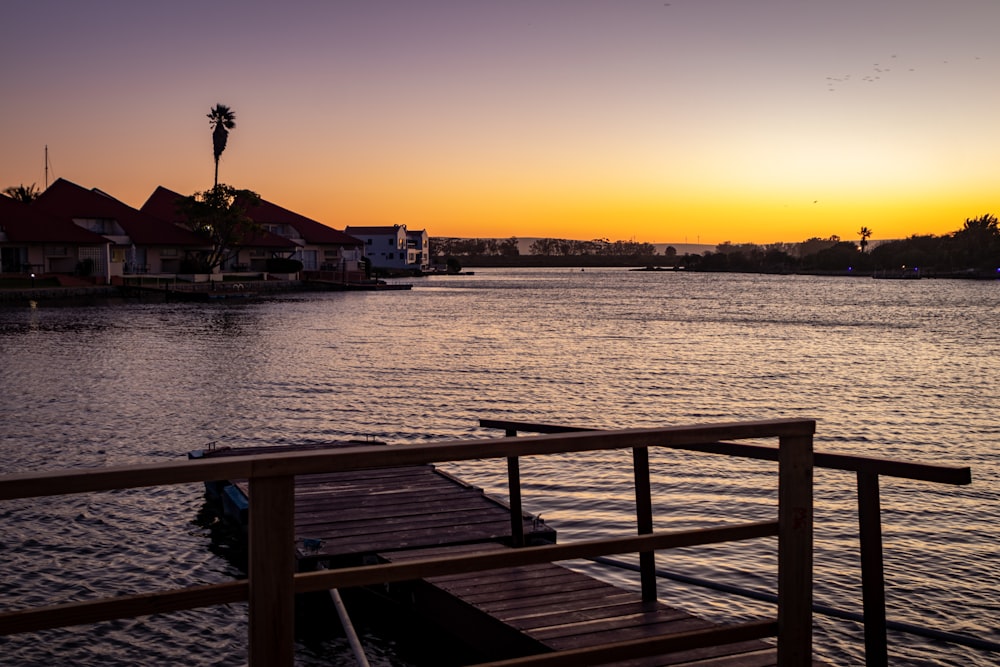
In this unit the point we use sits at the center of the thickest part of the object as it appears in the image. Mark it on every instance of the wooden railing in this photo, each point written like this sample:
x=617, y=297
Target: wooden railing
x=272, y=582
x=868, y=471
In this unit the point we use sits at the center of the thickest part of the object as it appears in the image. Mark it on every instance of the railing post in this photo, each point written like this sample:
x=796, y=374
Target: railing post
x=514, y=486
x=514, y=491
x=872, y=570
x=644, y=521
x=795, y=517
x=271, y=571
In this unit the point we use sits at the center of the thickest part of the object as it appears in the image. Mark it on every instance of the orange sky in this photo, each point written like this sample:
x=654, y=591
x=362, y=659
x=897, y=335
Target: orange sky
x=695, y=120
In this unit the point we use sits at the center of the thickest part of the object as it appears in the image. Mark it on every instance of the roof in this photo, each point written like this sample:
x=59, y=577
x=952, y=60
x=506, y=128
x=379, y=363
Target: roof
x=163, y=204
x=374, y=231
x=311, y=231
x=23, y=223
x=69, y=200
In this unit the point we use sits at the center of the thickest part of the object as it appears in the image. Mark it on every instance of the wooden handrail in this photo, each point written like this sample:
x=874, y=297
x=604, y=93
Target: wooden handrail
x=364, y=575
x=272, y=583
x=77, y=613
x=38, y=484
x=868, y=470
x=939, y=474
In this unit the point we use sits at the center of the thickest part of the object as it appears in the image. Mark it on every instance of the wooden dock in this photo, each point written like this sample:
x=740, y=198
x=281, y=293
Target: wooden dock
x=278, y=480
x=395, y=515
x=346, y=518
x=547, y=607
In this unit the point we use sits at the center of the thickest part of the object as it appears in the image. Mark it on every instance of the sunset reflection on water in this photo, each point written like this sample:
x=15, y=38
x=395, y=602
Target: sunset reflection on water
x=891, y=369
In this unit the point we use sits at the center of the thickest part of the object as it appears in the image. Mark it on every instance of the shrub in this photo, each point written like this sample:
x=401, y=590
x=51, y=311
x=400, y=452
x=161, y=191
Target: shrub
x=283, y=265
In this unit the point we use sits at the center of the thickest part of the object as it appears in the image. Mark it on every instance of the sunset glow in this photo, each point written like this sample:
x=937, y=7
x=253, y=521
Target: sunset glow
x=716, y=120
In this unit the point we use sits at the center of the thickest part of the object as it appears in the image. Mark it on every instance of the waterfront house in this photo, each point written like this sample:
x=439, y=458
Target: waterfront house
x=33, y=241
x=137, y=241
x=393, y=247
x=71, y=229
x=254, y=250
x=318, y=246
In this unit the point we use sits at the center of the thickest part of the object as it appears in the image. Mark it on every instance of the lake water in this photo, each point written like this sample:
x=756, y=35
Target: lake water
x=888, y=368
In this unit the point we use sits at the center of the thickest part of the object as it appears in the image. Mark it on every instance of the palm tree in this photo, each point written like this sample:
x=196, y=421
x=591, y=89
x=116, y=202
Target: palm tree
x=22, y=193
x=221, y=119
x=865, y=234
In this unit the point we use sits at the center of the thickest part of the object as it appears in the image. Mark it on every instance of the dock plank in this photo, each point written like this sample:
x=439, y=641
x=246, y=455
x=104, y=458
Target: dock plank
x=361, y=512
x=414, y=512
x=559, y=608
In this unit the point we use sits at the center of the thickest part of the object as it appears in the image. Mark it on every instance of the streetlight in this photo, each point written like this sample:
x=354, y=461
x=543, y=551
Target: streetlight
x=32, y=281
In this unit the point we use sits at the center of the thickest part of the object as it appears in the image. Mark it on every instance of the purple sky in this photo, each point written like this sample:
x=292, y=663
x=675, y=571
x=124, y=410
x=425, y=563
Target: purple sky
x=741, y=120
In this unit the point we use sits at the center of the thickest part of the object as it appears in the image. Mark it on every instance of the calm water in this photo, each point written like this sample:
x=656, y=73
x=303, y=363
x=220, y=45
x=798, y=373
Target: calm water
x=901, y=369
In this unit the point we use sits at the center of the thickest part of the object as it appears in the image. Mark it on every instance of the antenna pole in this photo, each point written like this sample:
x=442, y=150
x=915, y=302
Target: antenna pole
x=46, y=166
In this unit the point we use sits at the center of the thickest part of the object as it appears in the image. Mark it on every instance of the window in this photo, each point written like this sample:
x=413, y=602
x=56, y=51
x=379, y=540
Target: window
x=108, y=226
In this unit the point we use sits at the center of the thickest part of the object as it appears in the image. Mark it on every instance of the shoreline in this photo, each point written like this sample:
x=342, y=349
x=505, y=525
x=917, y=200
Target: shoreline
x=25, y=296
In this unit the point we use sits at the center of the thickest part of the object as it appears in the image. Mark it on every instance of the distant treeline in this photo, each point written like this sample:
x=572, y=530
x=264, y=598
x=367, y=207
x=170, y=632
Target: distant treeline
x=458, y=247
x=973, y=249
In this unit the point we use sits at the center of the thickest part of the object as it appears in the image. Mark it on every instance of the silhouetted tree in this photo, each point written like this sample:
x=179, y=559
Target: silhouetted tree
x=510, y=247
x=22, y=193
x=978, y=242
x=220, y=216
x=865, y=234
x=221, y=119
x=841, y=256
x=814, y=245
x=916, y=251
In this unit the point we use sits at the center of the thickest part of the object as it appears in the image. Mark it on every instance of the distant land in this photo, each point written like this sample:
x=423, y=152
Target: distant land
x=524, y=246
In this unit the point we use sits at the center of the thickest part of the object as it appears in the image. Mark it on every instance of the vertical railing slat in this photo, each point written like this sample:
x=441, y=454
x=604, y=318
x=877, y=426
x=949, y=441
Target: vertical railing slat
x=644, y=520
x=872, y=570
x=271, y=571
x=795, y=516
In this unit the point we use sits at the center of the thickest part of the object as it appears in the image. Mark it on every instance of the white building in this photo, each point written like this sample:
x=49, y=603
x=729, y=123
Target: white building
x=394, y=247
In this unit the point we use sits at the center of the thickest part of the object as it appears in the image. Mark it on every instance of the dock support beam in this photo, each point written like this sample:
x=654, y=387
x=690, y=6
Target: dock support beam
x=272, y=572
x=795, y=543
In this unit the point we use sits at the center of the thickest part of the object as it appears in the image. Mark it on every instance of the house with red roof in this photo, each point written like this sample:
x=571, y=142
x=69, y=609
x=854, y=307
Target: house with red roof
x=35, y=241
x=318, y=246
x=70, y=229
x=394, y=247
x=138, y=242
x=253, y=251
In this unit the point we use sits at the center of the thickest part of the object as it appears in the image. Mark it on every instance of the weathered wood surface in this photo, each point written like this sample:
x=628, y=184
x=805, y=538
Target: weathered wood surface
x=356, y=474
x=360, y=512
x=417, y=512
x=554, y=608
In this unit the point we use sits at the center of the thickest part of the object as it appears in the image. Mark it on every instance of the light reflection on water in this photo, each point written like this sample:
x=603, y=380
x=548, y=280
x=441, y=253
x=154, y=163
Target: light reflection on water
x=901, y=369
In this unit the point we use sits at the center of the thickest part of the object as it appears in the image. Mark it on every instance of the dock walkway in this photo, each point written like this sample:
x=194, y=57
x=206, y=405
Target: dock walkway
x=415, y=512
x=549, y=607
x=348, y=517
